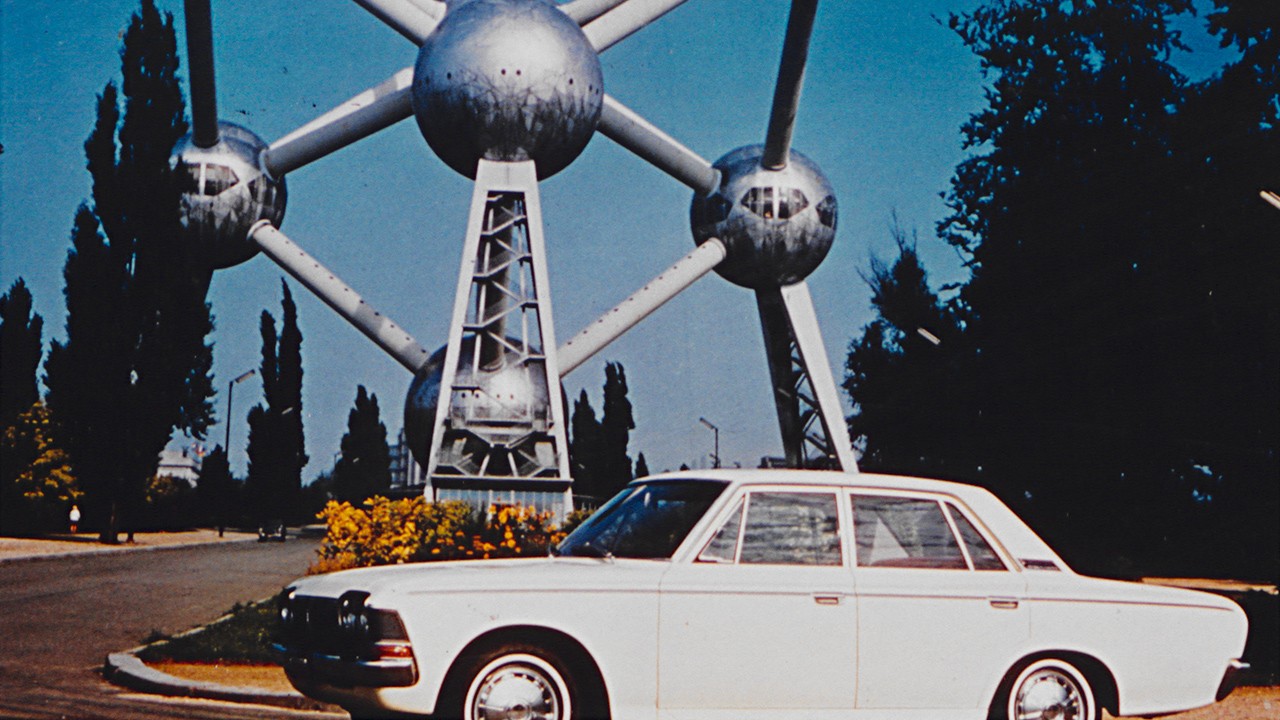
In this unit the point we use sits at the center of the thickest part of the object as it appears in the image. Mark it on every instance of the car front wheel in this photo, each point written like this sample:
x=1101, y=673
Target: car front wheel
x=1051, y=689
x=517, y=683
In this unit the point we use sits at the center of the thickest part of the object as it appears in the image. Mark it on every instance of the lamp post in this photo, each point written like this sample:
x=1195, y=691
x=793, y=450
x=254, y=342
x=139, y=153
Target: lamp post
x=231, y=388
x=715, y=456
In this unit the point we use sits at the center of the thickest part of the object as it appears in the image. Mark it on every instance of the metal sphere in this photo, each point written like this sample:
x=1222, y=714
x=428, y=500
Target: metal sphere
x=226, y=190
x=777, y=225
x=507, y=80
x=511, y=392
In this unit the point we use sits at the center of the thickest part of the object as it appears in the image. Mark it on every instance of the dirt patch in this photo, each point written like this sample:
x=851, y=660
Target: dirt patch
x=264, y=677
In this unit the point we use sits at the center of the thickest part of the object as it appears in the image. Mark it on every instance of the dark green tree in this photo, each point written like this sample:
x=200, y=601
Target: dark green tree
x=364, y=470
x=642, y=466
x=21, y=347
x=276, y=447
x=909, y=406
x=616, y=424
x=1112, y=347
x=584, y=448
x=216, y=489
x=135, y=365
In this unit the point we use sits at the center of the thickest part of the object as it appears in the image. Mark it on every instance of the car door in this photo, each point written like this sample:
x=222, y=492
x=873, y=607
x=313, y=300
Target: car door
x=764, y=617
x=940, y=612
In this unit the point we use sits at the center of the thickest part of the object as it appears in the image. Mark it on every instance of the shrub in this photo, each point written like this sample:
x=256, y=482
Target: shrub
x=388, y=532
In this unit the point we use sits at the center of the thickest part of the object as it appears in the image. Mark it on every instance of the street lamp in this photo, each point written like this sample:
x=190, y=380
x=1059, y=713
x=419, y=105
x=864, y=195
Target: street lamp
x=231, y=388
x=715, y=456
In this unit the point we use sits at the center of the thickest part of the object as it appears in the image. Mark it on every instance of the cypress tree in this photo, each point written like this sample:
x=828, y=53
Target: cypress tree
x=584, y=448
x=364, y=470
x=135, y=365
x=276, y=440
x=21, y=347
x=616, y=424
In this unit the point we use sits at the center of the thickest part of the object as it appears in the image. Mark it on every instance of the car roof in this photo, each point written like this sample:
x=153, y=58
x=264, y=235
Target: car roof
x=781, y=476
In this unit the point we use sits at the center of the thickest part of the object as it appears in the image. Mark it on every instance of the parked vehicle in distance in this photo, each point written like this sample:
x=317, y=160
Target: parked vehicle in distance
x=763, y=594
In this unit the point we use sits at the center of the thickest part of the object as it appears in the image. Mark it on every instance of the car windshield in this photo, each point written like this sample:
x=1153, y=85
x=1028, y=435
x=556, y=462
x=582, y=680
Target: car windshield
x=645, y=521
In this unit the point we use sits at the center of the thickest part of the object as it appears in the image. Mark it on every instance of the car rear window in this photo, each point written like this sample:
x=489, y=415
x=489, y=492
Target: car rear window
x=904, y=533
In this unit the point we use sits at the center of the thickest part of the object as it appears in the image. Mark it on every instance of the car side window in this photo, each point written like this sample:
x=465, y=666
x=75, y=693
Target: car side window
x=981, y=553
x=723, y=547
x=791, y=528
x=904, y=533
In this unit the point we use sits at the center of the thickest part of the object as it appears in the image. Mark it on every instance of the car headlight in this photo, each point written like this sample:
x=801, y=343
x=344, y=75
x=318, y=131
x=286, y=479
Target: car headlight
x=353, y=617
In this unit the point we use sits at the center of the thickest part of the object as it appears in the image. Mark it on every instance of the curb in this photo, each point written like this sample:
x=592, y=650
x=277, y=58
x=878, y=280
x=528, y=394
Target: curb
x=126, y=669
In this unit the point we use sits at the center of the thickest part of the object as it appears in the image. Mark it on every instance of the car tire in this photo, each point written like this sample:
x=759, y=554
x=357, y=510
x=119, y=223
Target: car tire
x=1048, y=688
x=511, y=680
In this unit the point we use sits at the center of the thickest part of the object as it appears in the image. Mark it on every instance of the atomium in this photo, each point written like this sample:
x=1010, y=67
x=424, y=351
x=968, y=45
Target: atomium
x=225, y=190
x=777, y=225
x=503, y=393
x=508, y=92
x=507, y=80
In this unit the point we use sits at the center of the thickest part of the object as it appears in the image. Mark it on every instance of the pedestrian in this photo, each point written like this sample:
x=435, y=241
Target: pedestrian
x=74, y=517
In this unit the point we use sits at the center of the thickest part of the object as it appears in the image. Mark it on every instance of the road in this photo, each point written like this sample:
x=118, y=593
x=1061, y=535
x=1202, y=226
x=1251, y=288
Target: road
x=60, y=617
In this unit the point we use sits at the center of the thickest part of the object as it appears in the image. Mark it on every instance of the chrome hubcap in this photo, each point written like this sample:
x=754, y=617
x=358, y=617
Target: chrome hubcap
x=1049, y=694
x=516, y=692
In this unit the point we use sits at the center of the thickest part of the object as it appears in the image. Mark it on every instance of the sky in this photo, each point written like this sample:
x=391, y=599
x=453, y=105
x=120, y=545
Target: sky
x=887, y=89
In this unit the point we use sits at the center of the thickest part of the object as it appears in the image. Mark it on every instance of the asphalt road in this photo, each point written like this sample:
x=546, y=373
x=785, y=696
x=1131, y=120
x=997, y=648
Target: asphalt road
x=60, y=617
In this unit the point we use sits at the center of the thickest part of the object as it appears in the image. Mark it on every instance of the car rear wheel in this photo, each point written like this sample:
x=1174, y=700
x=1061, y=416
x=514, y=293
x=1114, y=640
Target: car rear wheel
x=518, y=683
x=1050, y=689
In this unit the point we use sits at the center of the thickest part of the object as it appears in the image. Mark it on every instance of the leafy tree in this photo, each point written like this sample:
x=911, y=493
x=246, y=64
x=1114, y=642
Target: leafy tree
x=364, y=470
x=42, y=487
x=216, y=489
x=909, y=405
x=21, y=347
x=135, y=365
x=1112, y=349
x=276, y=440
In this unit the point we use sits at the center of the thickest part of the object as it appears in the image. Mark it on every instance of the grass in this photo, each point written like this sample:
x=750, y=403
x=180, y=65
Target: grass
x=242, y=637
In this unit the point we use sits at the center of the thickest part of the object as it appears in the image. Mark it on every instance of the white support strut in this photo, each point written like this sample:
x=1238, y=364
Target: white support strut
x=624, y=126
x=339, y=296
x=414, y=20
x=621, y=22
x=628, y=313
x=808, y=339
x=374, y=109
x=1271, y=197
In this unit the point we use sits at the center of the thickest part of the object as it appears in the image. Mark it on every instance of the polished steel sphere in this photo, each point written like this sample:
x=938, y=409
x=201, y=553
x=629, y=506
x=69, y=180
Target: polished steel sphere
x=509, y=393
x=226, y=190
x=777, y=225
x=507, y=80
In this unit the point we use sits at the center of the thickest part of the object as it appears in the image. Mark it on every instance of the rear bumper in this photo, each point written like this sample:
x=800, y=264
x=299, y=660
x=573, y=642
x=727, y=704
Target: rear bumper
x=1231, y=678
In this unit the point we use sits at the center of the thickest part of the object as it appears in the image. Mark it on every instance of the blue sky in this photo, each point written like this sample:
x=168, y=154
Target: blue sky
x=887, y=89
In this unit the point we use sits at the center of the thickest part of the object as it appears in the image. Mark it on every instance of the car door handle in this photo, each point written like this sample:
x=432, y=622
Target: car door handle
x=826, y=599
x=1004, y=603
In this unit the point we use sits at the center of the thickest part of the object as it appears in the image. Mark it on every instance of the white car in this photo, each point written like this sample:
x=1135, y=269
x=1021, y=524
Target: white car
x=763, y=594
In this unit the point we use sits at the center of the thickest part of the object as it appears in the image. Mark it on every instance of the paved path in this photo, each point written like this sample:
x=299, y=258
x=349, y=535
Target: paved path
x=61, y=615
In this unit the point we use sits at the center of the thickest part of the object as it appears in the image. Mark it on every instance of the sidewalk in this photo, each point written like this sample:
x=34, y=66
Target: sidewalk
x=61, y=545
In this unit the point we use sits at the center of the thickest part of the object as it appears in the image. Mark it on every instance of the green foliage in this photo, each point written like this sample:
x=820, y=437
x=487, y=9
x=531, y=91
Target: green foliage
x=38, y=494
x=388, y=532
x=135, y=364
x=1113, y=349
x=244, y=636
x=216, y=491
x=276, y=448
x=364, y=470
